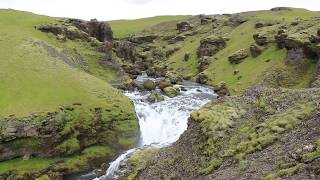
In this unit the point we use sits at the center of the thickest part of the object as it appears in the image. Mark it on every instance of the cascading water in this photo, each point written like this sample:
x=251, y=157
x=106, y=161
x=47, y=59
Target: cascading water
x=161, y=123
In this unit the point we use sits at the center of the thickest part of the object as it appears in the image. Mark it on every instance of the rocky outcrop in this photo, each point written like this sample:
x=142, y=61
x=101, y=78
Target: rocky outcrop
x=261, y=39
x=255, y=50
x=80, y=29
x=125, y=50
x=222, y=89
x=184, y=26
x=176, y=39
x=143, y=39
x=238, y=56
x=203, y=64
x=210, y=46
x=237, y=19
x=202, y=78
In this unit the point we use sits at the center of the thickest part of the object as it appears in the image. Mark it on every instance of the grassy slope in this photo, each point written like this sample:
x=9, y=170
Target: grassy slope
x=240, y=37
x=33, y=81
x=122, y=28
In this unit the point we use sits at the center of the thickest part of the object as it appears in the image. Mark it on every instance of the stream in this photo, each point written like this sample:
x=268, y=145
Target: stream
x=161, y=123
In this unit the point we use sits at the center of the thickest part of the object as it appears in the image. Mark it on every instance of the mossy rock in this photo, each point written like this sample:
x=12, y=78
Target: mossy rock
x=155, y=97
x=170, y=92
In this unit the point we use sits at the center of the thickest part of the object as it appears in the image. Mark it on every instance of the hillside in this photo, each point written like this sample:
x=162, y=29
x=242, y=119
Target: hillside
x=56, y=101
x=268, y=61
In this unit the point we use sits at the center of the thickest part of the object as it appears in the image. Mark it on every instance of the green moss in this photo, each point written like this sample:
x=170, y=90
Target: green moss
x=32, y=165
x=212, y=166
x=69, y=147
x=282, y=172
x=44, y=177
x=308, y=157
x=140, y=160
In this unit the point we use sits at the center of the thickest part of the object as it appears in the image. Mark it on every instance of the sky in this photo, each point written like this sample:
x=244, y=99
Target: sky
x=133, y=9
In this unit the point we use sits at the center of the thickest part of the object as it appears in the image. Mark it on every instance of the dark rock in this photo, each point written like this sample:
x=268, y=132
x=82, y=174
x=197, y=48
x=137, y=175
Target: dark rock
x=184, y=26
x=261, y=39
x=100, y=30
x=131, y=69
x=318, y=32
x=151, y=72
x=280, y=38
x=203, y=64
x=280, y=9
x=51, y=28
x=210, y=46
x=149, y=85
x=202, y=78
x=125, y=50
x=237, y=19
x=235, y=72
x=205, y=20
x=259, y=25
x=222, y=90
x=296, y=56
x=163, y=84
x=255, y=50
x=186, y=56
x=176, y=39
x=143, y=39
x=238, y=56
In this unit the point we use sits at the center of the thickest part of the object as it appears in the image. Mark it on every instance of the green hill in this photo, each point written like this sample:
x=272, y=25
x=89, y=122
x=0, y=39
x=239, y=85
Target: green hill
x=60, y=85
x=122, y=28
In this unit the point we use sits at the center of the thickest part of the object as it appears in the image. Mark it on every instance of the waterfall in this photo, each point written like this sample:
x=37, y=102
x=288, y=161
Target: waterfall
x=161, y=123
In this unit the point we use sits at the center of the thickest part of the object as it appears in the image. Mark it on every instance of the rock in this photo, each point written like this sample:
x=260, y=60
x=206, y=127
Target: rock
x=54, y=29
x=131, y=70
x=163, y=84
x=205, y=20
x=255, y=50
x=184, y=26
x=203, y=64
x=151, y=72
x=173, y=77
x=235, y=72
x=237, y=19
x=170, y=92
x=143, y=39
x=125, y=50
x=296, y=56
x=280, y=38
x=259, y=25
x=261, y=39
x=176, y=39
x=210, y=46
x=149, y=85
x=238, y=56
x=202, y=78
x=222, y=89
x=186, y=56
x=155, y=97
x=11, y=130
x=280, y=9
x=318, y=32
x=99, y=172
x=100, y=30
x=27, y=157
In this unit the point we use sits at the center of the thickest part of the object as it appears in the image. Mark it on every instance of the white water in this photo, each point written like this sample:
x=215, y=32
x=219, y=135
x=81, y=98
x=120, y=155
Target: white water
x=161, y=123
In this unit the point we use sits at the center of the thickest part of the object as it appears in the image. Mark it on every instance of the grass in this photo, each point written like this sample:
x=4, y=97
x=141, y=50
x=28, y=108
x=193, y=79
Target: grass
x=282, y=172
x=32, y=81
x=34, y=164
x=123, y=28
x=251, y=70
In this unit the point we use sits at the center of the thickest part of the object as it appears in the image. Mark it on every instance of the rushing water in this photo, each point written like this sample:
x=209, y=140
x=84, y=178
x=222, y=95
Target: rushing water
x=161, y=123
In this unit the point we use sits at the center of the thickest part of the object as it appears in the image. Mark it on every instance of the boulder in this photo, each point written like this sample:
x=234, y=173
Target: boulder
x=155, y=97
x=255, y=50
x=164, y=83
x=183, y=26
x=143, y=39
x=100, y=30
x=261, y=39
x=222, y=89
x=173, y=77
x=125, y=50
x=202, y=78
x=238, y=56
x=186, y=56
x=203, y=63
x=210, y=46
x=237, y=19
x=151, y=71
x=176, y=39
x=259, y=25
x=170, y=92
x=149, y=85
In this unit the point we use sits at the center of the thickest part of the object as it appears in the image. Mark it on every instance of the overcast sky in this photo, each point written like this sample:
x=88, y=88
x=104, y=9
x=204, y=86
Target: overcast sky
x=132, y=9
